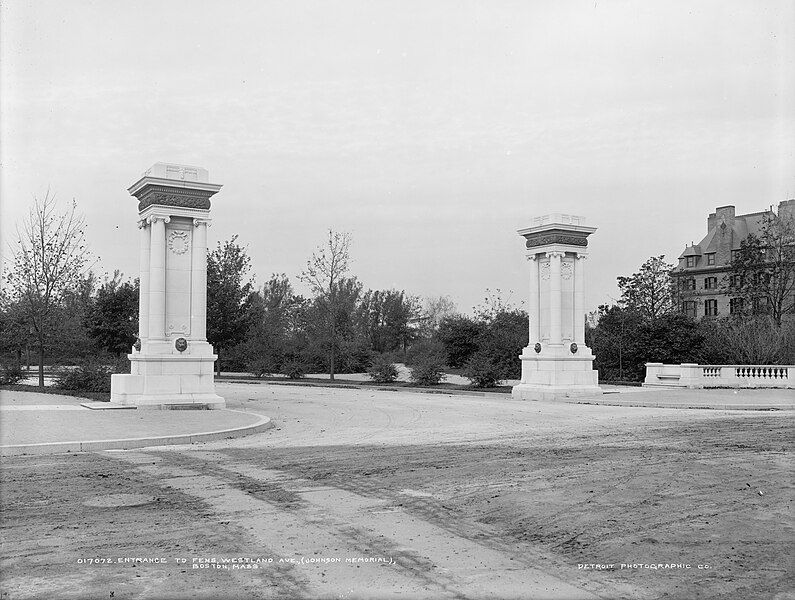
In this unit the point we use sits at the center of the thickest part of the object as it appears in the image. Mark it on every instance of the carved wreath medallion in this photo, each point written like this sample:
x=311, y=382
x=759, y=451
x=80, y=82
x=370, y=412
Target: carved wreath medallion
x=565, y=270
x=178, y=242
x=545, y=271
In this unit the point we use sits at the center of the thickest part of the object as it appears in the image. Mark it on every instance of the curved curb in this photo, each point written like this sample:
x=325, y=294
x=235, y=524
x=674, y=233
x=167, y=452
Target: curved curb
x=263, y=424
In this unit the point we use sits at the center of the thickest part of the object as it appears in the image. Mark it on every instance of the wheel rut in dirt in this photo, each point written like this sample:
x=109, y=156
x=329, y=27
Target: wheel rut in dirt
x=306, y=521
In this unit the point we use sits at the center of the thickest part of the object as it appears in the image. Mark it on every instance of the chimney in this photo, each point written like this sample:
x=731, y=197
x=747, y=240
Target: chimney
x=786, y=209
x=725, y=213
x=711, y=222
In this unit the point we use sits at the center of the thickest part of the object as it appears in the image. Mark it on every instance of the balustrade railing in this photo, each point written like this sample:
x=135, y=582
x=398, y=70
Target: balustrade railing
x=700, y=376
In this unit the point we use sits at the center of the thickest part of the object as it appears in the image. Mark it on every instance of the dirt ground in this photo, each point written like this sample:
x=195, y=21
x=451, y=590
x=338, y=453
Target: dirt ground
x=364, y=494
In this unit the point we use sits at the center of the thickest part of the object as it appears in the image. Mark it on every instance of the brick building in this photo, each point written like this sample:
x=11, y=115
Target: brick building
x=702, y=278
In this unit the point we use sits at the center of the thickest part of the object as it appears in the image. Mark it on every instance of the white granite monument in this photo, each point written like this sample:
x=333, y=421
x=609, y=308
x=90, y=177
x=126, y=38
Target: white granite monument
x=171, y=362
x=556, y=363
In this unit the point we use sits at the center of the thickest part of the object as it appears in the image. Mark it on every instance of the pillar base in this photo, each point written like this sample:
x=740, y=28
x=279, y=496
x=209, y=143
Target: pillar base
x=169, y=380
x=556, y=373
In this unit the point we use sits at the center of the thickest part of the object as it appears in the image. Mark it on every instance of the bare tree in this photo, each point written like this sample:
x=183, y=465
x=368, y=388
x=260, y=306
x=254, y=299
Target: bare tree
x=48, y=261
x=324, y=273
x=434, y=309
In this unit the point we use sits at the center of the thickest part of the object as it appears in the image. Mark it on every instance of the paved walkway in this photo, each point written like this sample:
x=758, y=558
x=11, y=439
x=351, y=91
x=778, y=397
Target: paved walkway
x=727, y=399
x=46, y=423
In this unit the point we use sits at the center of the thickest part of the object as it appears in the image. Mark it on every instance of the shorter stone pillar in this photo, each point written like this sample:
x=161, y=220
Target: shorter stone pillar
x=556, y=363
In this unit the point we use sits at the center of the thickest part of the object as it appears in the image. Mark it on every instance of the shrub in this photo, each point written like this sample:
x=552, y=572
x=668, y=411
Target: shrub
x=382, y=370
x=482, y=371
x=11, y=373
x=427, y=369
x=87, y=377
x=749, y=341
x=293, y=369
x=262, y=366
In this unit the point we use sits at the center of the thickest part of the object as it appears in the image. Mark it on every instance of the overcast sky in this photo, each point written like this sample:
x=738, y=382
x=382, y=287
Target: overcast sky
x=430, y=130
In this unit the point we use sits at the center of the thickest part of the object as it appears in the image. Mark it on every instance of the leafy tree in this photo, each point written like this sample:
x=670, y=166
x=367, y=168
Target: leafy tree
x=649, y=291
x=48, y=261
x=113, y=317
x=624, y=341
x=763, y=269
x=228, y=287
x=324, y=273
x=14, y=330
x=70, y=342
x=503, y=336
x=334, y=332
x=615, y=342
x=273, y=326
x=389, y=319
x=459, y=335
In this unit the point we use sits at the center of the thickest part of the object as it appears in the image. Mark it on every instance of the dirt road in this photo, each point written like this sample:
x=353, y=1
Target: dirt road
x=364, y=494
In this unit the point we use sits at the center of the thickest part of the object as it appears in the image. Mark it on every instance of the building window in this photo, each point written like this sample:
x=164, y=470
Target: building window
x=711, y=283
x=687, y=283
x=689, y=308
x=736, y=306
x=691, y=261
x=711, y=308
x=711, y=258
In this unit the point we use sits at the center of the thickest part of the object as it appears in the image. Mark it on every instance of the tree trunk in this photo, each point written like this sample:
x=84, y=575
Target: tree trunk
x=333, y=350
x=218, y=363
x=41, y=363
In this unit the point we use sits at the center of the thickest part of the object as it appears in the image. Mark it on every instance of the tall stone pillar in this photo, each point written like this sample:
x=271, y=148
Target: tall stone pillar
x=172, y=363
x=534, y=318
x=157, y=278
x=143, y=282
x=198, y=307
x=557, y=364
x=579, y=298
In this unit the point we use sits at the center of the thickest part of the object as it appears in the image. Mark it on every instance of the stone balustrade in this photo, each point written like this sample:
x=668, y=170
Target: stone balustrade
x=690, y=375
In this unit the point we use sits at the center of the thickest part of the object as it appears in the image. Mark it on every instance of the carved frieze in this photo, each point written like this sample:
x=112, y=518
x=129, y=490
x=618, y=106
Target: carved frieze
x=555, y=238
x=167, y=199
x=566, y=270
